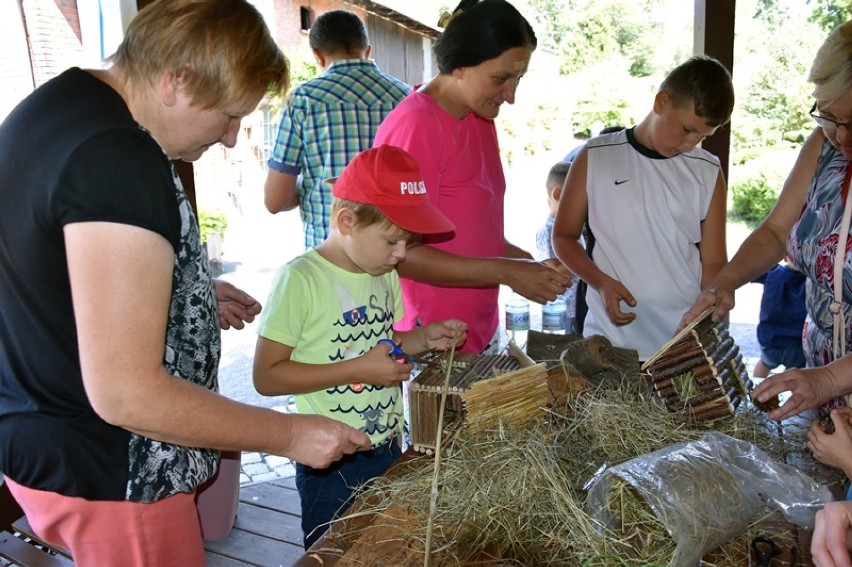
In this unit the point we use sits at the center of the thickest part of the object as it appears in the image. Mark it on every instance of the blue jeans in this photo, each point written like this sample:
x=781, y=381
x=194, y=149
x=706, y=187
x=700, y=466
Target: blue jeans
x=790, y=357
x=327, y=493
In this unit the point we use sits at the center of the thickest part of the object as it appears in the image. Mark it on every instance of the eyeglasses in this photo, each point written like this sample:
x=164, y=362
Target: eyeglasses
x=828, y=123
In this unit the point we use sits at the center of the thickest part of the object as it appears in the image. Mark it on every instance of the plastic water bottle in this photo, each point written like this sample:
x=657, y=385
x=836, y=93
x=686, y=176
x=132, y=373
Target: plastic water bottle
x=518, y=320
x=553, y=316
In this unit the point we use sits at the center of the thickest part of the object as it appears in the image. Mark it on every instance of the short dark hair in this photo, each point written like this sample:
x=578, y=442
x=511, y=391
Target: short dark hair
x=480, y=31
x=338, y=31
x=557, y=174
x=704, y=82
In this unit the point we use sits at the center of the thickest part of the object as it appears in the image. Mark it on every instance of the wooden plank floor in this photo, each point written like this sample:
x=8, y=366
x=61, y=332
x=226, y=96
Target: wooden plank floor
x=267, y=531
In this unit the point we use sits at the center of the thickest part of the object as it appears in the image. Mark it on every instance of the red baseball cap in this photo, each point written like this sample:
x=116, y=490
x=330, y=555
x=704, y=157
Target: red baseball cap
x=388, y=178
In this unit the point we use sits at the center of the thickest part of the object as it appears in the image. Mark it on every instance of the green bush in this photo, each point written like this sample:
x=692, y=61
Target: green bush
x=210, y=222
x=753, y=199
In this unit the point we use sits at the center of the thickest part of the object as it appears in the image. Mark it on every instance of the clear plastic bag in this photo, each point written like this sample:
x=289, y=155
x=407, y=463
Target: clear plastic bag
x=705, y=492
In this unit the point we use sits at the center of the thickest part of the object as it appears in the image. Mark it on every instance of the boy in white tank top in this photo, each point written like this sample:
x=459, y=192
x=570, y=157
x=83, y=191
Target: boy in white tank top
x=656, y=206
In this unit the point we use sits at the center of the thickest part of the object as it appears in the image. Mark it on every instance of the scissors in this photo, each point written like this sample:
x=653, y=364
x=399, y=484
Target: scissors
x=397, y=353
x=764, y=549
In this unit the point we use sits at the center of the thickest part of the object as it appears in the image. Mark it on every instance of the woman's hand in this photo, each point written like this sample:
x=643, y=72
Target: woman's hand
x=833, y=449
x=833, y=535
x=809, y=388
x=720, y=297
x=535, y=280
x=236, y=307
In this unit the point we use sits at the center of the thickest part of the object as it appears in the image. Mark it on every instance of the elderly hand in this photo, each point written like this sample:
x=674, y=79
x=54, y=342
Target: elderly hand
x=318, y=441
x=809, y=388
x=236, y=307
x=721, y=298
x=833, y=449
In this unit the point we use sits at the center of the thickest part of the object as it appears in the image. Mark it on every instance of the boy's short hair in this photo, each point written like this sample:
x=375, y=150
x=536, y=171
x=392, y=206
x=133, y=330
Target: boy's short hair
x=222, y=50
x=556, y=175
x=338, y=31
x=366, y=215
x=704, y=82
x=388, y=179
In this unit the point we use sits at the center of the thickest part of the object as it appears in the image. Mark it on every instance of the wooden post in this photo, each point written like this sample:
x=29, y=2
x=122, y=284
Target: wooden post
x=714, y=36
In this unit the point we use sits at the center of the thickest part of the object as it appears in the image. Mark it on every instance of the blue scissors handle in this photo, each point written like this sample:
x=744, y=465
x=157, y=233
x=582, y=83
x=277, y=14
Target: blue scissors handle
x=396, y=351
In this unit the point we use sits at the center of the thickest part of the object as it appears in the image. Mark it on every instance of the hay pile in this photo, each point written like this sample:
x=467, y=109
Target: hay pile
x=514, y=495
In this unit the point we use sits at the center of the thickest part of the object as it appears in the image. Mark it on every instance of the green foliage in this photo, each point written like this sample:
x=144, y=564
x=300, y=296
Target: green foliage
x=753, y=198
x=590, y=115
x=592, y=31
x=210, y=222
x=828, y=14
x=303, y=67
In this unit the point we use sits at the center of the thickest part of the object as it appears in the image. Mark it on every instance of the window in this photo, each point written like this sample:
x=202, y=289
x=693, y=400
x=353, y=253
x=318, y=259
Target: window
x=306, y=18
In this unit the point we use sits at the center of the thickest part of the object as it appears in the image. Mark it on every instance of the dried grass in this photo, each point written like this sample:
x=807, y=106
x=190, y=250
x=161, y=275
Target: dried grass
x=514, y=496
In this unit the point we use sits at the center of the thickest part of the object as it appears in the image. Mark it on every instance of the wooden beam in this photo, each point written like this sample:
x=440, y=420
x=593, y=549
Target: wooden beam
x=714, y=36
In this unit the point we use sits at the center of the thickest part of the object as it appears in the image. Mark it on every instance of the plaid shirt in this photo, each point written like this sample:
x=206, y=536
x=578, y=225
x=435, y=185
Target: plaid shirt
x=327, y=121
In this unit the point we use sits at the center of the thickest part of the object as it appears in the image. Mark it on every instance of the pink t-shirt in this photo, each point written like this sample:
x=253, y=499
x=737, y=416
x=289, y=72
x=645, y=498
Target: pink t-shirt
x=460, y=162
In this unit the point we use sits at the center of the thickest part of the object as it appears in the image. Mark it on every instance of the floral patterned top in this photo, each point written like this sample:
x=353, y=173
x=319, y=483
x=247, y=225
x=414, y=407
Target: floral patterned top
x=812, y=248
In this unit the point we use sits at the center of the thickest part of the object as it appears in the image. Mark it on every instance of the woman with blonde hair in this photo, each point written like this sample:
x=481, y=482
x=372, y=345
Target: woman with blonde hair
x=811, y=225
x=109, y=320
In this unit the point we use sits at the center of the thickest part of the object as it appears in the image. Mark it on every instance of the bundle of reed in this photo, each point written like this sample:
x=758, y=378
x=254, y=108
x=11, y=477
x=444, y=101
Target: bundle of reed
x=516, y=397
x=514, y=495
x=425, y=392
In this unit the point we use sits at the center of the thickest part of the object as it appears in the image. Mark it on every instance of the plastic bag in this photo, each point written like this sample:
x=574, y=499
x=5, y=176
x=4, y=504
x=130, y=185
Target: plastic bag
x=705, y=492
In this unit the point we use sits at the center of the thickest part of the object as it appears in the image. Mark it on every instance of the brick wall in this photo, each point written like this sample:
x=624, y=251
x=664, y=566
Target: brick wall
x=288, y=31
x=53, y=30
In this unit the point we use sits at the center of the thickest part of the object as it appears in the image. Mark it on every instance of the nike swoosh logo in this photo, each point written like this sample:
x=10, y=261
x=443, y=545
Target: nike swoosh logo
x=620, y=182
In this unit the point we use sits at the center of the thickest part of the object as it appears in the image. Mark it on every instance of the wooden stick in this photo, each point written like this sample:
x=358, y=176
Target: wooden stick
x=433, y=502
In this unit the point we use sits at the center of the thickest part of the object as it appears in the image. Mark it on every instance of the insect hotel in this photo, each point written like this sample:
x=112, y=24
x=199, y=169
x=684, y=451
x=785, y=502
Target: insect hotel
x=700, y=371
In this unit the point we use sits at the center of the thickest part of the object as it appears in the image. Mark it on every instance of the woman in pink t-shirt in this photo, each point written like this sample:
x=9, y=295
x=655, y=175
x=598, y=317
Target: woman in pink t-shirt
x=447, y=125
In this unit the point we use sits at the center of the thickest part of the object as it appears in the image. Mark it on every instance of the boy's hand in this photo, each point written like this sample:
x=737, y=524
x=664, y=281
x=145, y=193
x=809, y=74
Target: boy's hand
x=379, y=369
x=612, y=293
x=833, y=449
x=442, y=335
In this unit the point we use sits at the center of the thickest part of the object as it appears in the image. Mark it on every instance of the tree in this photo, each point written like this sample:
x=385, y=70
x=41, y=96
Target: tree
x=828, y=14
x=595, y=30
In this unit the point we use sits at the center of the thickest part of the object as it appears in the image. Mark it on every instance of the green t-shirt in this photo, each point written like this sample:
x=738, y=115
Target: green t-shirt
x=328, y=314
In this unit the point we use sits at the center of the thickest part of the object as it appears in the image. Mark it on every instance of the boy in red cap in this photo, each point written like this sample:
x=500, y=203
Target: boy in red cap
x=328, y=310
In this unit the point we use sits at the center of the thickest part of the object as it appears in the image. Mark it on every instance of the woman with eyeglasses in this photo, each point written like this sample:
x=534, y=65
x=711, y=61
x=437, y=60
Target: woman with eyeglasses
x=810, y=223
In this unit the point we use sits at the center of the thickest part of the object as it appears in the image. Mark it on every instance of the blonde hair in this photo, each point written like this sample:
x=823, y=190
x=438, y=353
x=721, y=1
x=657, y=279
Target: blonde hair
x=831, y=72
x=368, y=215
x=222, y=50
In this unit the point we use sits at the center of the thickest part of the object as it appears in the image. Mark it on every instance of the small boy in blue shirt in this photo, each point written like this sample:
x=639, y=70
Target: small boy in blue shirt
x=782, y=317
x=329, y=308
x=544, y=248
